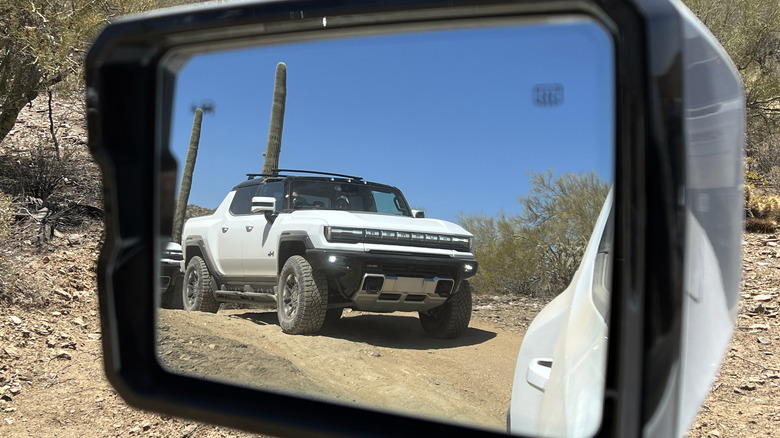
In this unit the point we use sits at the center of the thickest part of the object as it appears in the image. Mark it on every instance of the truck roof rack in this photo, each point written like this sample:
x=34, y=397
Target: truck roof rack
x=275, y=173
x=254, y=175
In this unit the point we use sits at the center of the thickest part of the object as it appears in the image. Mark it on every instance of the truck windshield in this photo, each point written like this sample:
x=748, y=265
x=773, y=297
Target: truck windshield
x=349, y=196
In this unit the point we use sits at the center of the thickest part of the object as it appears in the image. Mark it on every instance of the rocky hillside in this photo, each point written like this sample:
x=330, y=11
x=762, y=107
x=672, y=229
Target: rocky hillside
x=51, y=376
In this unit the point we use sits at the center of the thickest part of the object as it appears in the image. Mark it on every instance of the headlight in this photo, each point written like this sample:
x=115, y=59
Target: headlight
x=389, y=235
x=464, y=241
x=353, y=235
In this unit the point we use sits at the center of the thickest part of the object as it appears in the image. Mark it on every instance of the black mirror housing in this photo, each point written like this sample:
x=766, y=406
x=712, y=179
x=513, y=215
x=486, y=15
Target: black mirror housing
x=129, y=105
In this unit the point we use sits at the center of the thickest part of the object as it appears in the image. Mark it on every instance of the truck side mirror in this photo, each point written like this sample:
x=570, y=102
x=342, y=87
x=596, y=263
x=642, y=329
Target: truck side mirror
x=262, y=204
x=418, y=213
x=266, y=205
x=538, y=72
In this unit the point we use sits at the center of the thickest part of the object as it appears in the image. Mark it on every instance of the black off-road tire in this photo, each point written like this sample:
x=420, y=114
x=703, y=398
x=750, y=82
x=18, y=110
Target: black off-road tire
x=301, y=297
x=197, y=290
x=451, y=318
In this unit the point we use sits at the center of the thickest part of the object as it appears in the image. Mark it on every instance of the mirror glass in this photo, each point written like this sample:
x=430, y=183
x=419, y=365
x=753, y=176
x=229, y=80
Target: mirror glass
x=491, y=139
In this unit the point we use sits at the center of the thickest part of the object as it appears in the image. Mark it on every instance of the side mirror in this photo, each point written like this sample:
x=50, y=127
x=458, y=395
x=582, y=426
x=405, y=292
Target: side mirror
x=418, y=213
x=461, y=96
x=265, y=205
x=262, y=204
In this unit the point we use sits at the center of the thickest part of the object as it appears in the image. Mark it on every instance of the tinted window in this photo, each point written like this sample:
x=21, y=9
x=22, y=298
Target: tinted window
x=351, y=196
x=242, y=202
x=273, y=190
x=389, y=203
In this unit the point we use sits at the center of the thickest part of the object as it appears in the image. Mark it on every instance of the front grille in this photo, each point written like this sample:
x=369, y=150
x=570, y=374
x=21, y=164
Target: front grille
x=422, y=243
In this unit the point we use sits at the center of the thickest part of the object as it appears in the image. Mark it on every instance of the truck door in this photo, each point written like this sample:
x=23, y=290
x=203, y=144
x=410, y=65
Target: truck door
x=233, y=231
x=261, y=240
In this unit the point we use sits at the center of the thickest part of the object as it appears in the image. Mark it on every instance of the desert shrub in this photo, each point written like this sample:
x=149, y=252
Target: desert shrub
x=504, y=265
x=761, y=205
x=18, y=286
x=756, y=225
x=763, y=164
x=538, y=251
x=35, y=171
x=752, y=177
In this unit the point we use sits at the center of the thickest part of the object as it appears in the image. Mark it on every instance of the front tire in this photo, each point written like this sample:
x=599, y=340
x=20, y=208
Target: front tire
x=197, y=293
x=451, y=318
x=302, y=297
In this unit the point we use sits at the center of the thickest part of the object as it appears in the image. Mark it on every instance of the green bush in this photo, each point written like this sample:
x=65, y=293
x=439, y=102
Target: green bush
x=538, y=251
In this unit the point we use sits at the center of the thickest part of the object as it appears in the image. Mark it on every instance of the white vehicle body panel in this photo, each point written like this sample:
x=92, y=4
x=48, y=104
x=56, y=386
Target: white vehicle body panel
x=245, y=243
x=569, y=334
x=713, y=124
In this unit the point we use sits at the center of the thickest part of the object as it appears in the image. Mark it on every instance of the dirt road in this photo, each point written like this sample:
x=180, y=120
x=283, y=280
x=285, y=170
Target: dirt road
x=371, y=360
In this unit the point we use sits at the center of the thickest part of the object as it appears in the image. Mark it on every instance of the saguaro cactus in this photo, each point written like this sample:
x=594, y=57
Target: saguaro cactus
x=186, y=177
x=274, y=147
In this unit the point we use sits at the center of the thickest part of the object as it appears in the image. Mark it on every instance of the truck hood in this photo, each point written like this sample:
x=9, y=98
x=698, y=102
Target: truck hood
x=376, y=221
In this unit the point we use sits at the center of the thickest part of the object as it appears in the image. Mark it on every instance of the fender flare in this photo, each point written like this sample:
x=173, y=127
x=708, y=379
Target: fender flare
x=203, y=252
x=292, y=243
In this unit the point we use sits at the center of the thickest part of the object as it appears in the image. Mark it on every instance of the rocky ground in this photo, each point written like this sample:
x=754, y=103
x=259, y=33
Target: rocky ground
x=51, y=378
x=745, y=400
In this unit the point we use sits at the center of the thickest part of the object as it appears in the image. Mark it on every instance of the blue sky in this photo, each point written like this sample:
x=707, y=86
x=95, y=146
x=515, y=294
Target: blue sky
x=446, y=116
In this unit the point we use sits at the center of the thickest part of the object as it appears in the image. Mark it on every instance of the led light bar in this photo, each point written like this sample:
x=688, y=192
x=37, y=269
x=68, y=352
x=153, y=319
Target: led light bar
x=392, y=237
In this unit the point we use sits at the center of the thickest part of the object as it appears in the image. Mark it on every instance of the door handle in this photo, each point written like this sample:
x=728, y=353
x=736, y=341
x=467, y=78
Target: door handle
x=538, y=373
x=225, y=229
x=250, y=228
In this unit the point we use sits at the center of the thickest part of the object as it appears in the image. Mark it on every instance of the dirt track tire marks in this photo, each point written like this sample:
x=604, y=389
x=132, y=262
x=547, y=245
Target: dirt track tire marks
x=382, y=361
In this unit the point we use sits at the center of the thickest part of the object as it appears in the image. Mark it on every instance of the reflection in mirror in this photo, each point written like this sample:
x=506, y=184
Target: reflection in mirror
x=469, y=172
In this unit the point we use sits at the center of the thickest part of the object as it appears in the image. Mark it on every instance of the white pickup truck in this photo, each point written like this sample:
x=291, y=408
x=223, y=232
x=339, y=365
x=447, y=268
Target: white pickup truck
x=319, y=244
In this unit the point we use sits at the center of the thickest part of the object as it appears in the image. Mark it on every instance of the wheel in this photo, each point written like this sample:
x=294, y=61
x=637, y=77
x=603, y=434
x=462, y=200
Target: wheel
x=451, y=318
x=301, y=297
x=172, y=298
x=197, y=292
x=332, y=316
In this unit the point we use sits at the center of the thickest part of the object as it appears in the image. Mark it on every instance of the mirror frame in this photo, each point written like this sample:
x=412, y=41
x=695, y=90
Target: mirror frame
x=129, y=105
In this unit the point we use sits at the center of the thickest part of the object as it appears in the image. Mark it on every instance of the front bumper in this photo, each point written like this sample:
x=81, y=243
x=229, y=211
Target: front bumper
x=387, y=282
